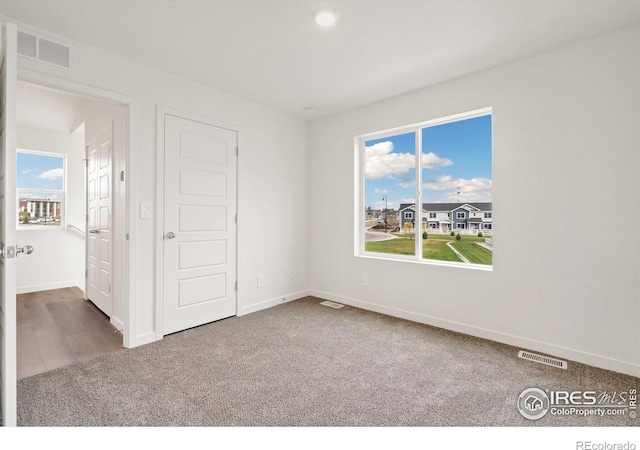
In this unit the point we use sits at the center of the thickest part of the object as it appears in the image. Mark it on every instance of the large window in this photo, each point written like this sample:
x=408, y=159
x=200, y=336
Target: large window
x=446, y=165
x=40, y=189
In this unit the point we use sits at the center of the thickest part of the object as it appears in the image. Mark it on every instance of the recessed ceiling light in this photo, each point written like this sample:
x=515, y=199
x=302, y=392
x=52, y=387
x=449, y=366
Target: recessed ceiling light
x=310, y=109
x=325, y=17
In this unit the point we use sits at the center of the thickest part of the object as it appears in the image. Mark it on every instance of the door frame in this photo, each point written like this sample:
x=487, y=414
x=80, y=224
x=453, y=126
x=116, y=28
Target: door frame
x=130, y=161
x=163, y=111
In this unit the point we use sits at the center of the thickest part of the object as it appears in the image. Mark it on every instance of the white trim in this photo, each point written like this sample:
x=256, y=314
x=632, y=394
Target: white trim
x=271, y=303
x=392, y=257
x=426, y=124
x=161, y=112
x=46, y=287
x=591, y=359
x=146, y=338
x=420, y=213
x=117, y=323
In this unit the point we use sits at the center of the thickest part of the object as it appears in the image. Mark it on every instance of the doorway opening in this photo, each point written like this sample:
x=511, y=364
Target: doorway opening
x=74, y=290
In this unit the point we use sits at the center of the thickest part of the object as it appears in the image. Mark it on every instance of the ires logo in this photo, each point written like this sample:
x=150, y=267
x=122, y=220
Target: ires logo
x=534, y=403
x=573, y=398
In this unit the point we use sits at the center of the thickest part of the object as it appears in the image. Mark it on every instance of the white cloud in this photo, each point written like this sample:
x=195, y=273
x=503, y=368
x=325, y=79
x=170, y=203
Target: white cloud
x=381, y=205
x=474, y=189
x=432, y=161
x=53, y=174
x=380, y=191
x=382, y=162
x=39, y=196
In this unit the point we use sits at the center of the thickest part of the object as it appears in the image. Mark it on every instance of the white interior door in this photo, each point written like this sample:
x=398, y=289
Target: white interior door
x=199, y=223
x=8, y=209
x=99, y=270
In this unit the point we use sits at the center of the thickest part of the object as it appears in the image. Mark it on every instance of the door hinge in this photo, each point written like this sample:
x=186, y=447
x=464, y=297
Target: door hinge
x=236, y=218
x=237, y=151
x=235, y=286
x=86, y=273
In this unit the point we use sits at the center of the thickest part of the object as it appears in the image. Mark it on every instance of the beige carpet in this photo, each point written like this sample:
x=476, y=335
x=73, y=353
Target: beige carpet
x=304, y=364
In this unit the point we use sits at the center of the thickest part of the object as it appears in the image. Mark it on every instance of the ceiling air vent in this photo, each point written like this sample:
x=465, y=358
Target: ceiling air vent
x=54, y=53
x=27, y=45
x=38, y=48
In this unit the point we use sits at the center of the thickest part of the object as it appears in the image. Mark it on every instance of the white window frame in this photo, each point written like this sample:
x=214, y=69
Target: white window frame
x=408, y=215
x=460, y=215
x=62, y=193
x=432, y=215
x=360, y=180
x=487, y=215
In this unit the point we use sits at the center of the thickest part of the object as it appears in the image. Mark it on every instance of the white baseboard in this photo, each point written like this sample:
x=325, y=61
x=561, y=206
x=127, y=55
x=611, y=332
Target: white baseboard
x=143, y=339
x=580, y=356
x=46, y=287
x=255, y=307
x=117, y=323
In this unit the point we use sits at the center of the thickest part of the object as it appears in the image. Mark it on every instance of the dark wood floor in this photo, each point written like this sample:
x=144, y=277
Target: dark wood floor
x=57, y=328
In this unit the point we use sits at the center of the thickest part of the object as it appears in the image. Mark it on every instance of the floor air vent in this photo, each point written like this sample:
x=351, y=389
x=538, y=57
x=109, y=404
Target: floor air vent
x=542, y=359
x=332, y=304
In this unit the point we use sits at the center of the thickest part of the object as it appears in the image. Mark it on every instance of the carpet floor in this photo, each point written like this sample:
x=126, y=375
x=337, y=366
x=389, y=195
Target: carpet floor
x=304, y=364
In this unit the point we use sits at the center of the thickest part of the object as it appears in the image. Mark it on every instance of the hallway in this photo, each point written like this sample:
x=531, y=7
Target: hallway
x=58, y=328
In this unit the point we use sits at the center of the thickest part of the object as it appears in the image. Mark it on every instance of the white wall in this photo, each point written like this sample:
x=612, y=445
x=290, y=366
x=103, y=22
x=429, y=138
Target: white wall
x=272, y=179
x=566, y=149
x=58, y=258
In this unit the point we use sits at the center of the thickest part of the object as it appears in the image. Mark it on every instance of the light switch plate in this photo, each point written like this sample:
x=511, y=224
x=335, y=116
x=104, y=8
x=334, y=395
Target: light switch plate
x=145, y=211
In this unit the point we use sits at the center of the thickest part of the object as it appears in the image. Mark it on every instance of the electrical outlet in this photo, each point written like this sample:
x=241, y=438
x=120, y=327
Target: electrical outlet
x=292, y=274
x=365, y=279
x=260, y=280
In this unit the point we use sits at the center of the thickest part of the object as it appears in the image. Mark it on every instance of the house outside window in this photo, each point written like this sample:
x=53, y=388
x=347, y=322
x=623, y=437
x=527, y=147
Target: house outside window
x=446, y=163
x=487, y=215
x=40, y=181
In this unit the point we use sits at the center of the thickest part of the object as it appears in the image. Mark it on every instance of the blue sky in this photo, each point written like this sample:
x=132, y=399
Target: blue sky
x=455, y=155
x=37, y=171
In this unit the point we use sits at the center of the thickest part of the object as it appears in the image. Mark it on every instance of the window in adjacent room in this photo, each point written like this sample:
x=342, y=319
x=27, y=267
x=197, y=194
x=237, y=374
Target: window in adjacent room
x=447, y=165
x=40, y=189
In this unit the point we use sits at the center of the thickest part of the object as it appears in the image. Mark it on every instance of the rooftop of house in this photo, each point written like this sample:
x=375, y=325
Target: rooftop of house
x=440, y=207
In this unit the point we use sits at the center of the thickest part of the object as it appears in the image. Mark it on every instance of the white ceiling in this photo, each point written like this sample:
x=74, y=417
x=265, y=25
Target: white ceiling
x=271, y=52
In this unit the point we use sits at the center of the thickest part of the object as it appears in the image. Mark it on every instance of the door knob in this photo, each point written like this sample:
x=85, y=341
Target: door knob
x=27, y=249
x=171, y=235
x=94, y=231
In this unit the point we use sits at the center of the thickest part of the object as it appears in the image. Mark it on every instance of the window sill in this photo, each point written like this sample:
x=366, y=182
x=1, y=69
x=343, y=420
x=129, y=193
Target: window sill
x=430, y=262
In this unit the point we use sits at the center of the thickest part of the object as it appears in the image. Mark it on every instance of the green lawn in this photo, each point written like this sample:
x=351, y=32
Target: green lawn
x=439, y=250
x=436, y=248
x=473, y=252
x=400, y=246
